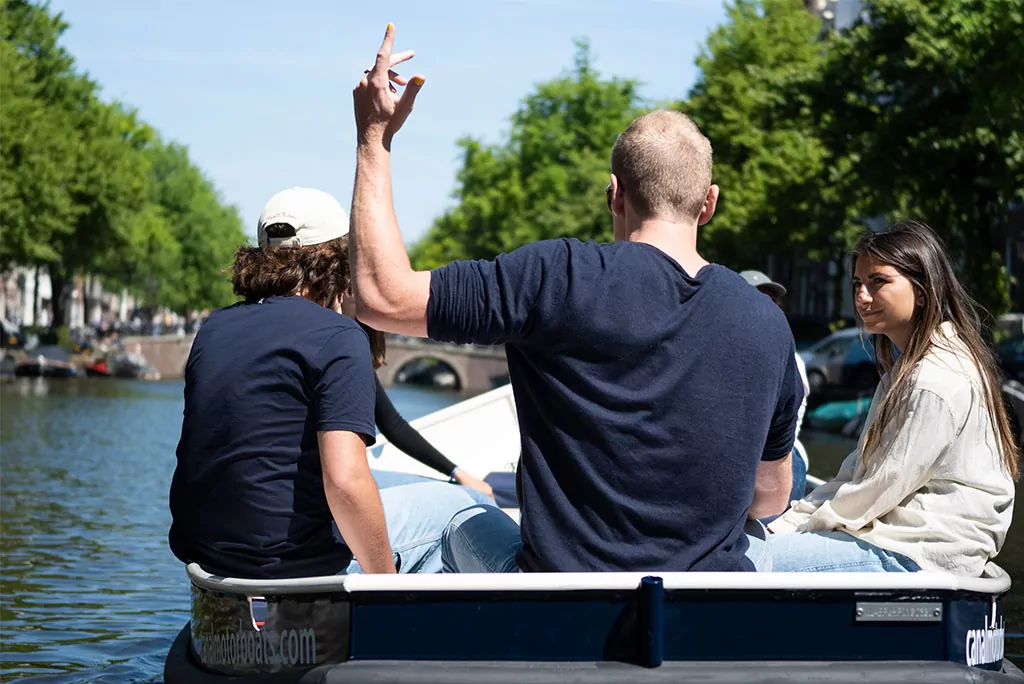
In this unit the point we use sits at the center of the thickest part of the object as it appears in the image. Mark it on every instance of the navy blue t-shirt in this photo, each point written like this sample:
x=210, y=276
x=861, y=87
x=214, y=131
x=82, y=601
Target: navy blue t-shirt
x=262, y=378
x=646, y=399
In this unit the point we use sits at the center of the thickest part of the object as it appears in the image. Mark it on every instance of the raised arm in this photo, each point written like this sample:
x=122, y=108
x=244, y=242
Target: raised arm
x=483, y=302
x=389, y=295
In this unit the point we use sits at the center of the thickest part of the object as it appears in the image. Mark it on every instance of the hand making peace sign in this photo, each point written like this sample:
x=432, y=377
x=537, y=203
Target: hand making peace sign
x=380, y=110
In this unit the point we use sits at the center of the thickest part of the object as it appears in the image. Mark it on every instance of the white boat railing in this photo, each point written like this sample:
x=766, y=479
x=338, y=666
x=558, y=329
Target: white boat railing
x=995, y=581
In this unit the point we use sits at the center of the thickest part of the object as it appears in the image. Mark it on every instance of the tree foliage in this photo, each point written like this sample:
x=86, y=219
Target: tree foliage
x=86, y=188
x=547, y=180
x=913, y=112
x=926, y=100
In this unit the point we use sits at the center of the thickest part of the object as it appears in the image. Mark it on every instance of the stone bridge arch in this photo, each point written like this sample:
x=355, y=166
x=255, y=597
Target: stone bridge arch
x=474, y=367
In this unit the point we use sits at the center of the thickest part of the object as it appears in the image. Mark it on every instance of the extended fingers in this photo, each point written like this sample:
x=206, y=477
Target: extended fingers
x=400, y=57
x=408, y=98
x=383, y=62
x=397, y=78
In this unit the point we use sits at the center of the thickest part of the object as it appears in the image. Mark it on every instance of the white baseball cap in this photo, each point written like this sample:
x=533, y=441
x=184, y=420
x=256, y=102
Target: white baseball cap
x=316, y=217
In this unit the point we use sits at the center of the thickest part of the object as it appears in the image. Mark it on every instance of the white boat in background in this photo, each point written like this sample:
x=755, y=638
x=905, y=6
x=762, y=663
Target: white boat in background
x=125, y=364
x=480, y=435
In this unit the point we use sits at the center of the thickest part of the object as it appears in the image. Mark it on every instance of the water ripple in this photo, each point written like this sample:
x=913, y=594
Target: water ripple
x=89, y=591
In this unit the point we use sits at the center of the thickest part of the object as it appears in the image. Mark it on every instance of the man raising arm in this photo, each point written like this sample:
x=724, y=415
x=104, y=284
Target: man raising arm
x=390, y=296
x=646, y=379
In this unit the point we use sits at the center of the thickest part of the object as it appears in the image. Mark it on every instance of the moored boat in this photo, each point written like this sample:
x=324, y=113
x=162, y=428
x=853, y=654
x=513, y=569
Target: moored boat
x=529, y=628
x=98, y=369
x=46, y=362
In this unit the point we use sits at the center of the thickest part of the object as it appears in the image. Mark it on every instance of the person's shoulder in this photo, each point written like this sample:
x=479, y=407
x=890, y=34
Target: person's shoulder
x=949, y=372
x=555, y=247
x=303, y=312
x=224, y=311
x=604, y=254
x=324, y=325
x=222, y=317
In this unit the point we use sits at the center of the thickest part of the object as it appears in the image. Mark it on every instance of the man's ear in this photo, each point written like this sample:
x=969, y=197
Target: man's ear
x=618, y=197
x=710, y=202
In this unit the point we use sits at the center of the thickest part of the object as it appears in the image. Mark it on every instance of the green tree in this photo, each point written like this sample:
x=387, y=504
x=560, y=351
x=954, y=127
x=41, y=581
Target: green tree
x=87, y=189
x=754, y=100
x=37, y=138
x=547, y=180
x=926, y=100
x=109, y=188
x=748, y=100
x=206, y=233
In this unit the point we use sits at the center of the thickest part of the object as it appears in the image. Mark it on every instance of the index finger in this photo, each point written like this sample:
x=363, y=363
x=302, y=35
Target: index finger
x=383, y=62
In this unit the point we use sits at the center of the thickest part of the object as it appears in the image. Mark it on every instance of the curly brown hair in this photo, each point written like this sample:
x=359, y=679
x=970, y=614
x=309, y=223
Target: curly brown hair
x=319, y=272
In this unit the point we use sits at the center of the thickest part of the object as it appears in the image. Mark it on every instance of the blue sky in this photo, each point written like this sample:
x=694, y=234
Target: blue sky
x=261, y=91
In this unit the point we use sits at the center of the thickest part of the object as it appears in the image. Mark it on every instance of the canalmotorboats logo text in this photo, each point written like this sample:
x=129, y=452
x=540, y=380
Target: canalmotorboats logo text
x=266, y=647
x=984, y=646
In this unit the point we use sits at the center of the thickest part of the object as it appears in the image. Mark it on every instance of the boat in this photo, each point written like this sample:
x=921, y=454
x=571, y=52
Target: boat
x=98, y=369
x=46, y=362
x=534, y=628
x=122, y=364
x=1013, y=395
x=844, y=417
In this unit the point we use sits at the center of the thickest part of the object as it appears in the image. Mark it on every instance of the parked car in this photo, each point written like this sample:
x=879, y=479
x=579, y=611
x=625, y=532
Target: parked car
x=1011, y=358
x=845, y=358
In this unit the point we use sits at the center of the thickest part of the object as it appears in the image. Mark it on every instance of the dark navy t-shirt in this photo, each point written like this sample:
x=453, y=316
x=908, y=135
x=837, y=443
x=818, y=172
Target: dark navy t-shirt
x=262, y=378
x=646, y=399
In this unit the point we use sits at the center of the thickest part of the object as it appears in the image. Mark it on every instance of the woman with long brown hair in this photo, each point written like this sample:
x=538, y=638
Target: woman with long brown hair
x=930, y=485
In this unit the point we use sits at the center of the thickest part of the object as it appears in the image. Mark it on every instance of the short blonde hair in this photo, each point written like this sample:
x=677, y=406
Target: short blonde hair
x=663, y=162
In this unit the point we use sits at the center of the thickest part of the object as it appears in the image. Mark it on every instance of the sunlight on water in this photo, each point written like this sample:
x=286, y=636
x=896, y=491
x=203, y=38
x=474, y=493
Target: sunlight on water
x=90, y=591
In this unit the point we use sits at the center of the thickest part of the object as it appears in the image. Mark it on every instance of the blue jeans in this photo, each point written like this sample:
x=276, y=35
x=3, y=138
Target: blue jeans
x=799, y=475
x=416, y=510
x=833, y=552
x=484, y=539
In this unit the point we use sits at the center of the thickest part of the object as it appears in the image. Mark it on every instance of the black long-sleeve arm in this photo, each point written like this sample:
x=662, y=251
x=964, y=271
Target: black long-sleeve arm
x=397, y=431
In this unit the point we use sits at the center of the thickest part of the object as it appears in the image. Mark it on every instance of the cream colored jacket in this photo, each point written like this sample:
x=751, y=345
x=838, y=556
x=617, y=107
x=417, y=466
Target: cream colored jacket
x=936, y=490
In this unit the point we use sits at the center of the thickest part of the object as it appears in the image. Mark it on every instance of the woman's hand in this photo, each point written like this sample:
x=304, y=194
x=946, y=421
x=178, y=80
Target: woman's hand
x=467, y=480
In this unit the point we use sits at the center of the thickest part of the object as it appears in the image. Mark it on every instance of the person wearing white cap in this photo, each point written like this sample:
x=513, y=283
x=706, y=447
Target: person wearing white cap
x=272, y=479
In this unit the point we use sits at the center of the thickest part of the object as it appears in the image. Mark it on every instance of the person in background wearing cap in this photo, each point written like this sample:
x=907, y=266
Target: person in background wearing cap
x=775, y=292
x=656, y=393
x=279, y=409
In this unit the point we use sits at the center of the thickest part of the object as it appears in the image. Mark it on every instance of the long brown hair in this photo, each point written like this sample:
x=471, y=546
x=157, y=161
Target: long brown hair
x=914, y=250
x=320, y=272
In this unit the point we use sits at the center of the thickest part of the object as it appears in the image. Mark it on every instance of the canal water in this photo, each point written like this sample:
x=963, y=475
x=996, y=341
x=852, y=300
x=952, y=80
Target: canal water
x=89, y=591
